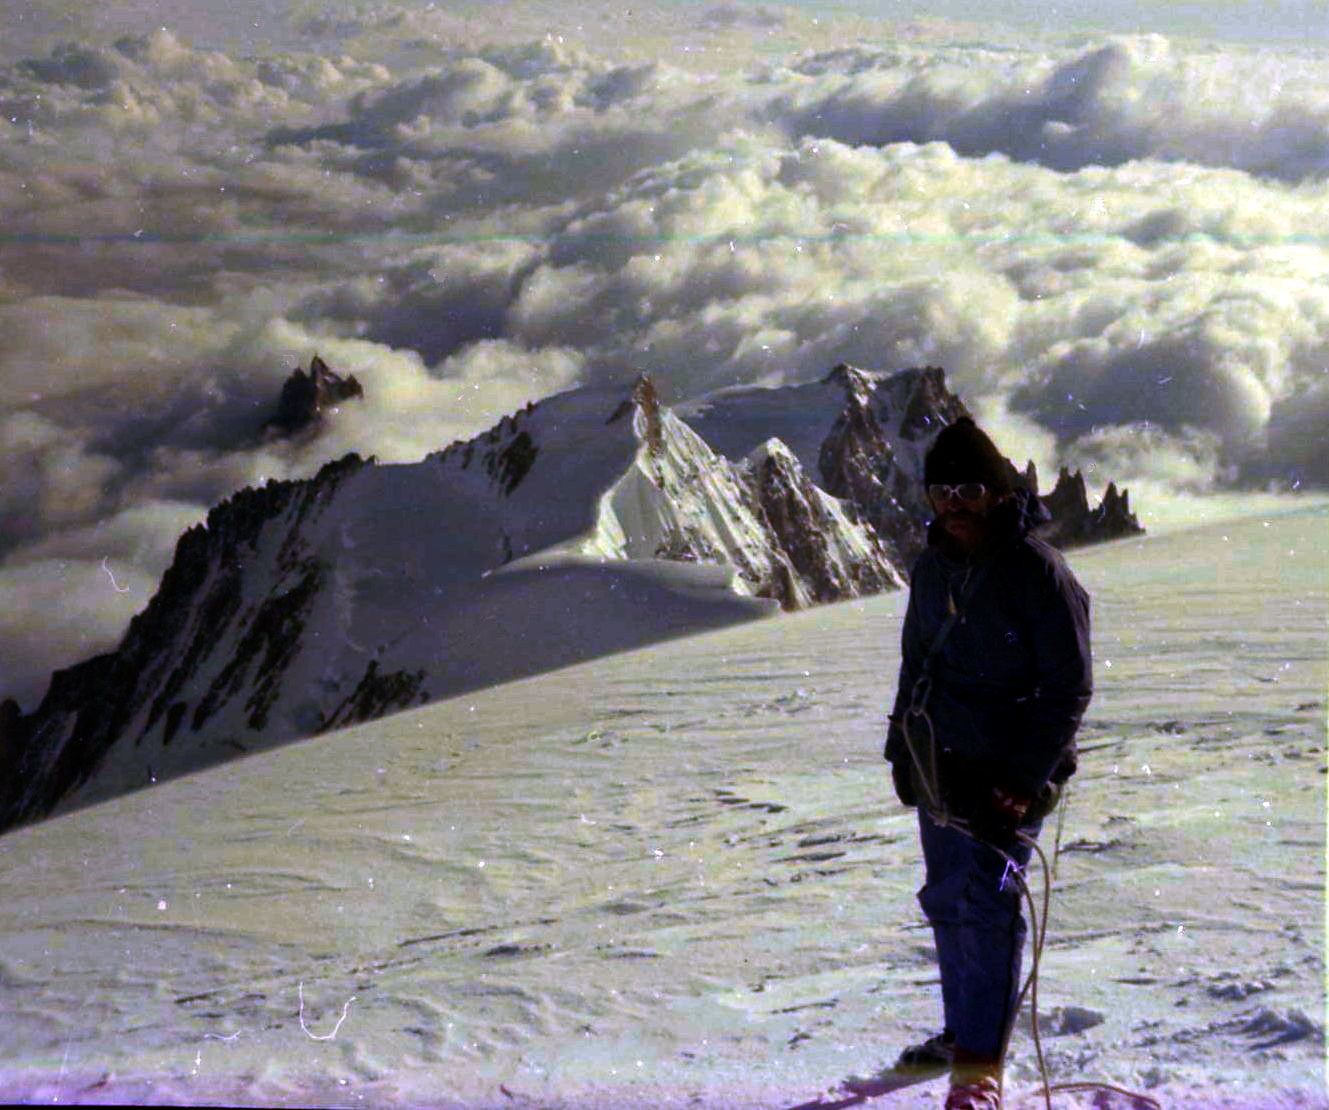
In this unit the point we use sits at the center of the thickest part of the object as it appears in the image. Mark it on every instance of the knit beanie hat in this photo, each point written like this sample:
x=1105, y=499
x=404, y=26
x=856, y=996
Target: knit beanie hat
x=962, y=452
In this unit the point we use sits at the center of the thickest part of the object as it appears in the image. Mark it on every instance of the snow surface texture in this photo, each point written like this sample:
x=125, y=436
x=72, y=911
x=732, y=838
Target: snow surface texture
x=677, y=878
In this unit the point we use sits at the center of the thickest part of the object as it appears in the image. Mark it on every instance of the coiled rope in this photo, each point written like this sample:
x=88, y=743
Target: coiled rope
x=930, y=782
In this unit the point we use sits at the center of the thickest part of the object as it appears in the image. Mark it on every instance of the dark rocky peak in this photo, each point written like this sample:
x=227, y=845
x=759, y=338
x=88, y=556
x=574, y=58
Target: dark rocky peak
x=856, y=459
x=647, y=401
x=815, y=563
x=909, y=404
x=238, y=520
x=1074, y=523
x=88, y=706
x=873, y=459
x=60, y=742
x=216, y=551
x=924, y=402
x=857, y=384
x=507, y=451
x=509, y=463
x=858, y=462
x=644, y=399
x=305, y=398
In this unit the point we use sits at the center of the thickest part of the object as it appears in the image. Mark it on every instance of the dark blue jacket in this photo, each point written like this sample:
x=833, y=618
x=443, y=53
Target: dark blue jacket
x=1014, y=676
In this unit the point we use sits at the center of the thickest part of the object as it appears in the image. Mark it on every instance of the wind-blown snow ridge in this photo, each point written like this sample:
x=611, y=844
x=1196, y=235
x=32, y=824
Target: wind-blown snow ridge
x=593, y=521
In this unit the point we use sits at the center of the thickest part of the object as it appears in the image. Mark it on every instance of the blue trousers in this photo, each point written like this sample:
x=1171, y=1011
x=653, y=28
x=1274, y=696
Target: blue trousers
x=974, y=909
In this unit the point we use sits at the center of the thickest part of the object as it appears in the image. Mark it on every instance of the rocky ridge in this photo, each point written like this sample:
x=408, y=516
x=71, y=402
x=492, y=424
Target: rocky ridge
x=307, y=605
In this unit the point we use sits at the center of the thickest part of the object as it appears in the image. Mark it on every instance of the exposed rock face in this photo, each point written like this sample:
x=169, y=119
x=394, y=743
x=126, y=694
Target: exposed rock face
x=873, y=458
x=306, y=605
x=188, y=628
x=927, y=404
x=306, y=397
x=859, y=464
x=376, y=695
x=1074, y=523
x=829, y=559
x=785, y=538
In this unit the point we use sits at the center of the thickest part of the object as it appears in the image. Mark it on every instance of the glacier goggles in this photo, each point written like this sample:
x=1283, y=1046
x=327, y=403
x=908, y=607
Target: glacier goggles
x=965, y=491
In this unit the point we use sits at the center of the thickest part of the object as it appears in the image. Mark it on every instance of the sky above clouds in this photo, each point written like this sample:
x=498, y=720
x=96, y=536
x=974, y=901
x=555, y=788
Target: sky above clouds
x=1110, y=236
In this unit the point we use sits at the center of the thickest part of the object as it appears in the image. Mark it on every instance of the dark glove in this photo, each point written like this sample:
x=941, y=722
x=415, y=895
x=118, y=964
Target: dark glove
x=994, y=816
x=902, y=774
x=1045, y=802
x=1008, y=807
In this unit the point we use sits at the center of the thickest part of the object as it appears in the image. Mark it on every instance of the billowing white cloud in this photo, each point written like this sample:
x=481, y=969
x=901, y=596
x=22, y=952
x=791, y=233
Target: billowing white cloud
x=408, y=409
x=1023, y=441
x=1298, y=437
x=1115, y=248
x=1184, y=459
x=1214, y=352
x=435, y=302
x=143, y=536
x=1265, y=111
x=51, y=480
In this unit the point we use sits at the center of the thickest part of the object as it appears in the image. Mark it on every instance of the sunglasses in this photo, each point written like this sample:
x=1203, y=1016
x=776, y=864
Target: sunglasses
x=965, y=491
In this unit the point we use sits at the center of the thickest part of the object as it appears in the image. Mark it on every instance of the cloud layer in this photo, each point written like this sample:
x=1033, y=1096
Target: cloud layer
x=1116, y=248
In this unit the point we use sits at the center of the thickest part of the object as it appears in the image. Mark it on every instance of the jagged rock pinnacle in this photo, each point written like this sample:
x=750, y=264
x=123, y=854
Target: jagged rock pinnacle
x=1075, y=523
x=306, y=397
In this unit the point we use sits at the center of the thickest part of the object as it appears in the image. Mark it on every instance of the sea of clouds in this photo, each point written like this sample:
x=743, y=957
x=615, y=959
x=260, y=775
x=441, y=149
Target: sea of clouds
x=1115, y=246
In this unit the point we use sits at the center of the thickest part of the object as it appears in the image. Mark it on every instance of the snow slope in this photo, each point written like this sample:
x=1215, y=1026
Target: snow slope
x=676, y=878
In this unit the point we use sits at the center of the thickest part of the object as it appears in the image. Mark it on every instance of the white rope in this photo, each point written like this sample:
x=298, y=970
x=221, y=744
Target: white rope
x=345, y=1010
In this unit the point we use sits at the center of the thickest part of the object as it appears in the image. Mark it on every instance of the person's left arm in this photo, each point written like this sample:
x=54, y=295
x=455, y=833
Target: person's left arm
x=1057, y=609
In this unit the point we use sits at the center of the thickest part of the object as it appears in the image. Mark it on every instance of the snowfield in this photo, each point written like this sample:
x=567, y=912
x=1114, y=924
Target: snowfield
x=677, y=878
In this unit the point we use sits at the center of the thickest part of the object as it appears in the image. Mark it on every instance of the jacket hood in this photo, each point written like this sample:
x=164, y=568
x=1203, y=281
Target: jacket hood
x=1025, y=511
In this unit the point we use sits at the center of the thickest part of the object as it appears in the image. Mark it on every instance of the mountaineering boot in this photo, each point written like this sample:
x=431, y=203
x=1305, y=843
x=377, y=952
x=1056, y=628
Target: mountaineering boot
x=983, y=1093
x=932, y=1057
x=975, y=1081
x=916, y=1064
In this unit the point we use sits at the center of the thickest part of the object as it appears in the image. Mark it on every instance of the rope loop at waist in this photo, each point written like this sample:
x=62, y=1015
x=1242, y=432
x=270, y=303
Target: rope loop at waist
x=921, y=739
x=918, y=697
